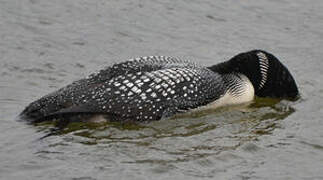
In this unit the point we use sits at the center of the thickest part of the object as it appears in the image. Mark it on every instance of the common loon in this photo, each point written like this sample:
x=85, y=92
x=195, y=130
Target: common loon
x=155, y=87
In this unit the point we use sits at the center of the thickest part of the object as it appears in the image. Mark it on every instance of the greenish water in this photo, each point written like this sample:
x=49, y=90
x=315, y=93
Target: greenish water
x=45, y=45
x=256, y=119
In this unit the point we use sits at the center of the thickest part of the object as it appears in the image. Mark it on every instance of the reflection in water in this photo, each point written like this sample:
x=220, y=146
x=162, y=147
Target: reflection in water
x=185, y=137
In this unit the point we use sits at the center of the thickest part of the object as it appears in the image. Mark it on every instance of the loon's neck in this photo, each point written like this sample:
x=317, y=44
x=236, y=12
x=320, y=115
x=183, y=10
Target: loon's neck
x=269, y=77
x=222, y=68
x=239, y=90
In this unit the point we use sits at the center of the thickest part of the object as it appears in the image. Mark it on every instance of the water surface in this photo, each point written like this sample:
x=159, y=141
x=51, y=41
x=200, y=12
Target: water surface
x=46, y=44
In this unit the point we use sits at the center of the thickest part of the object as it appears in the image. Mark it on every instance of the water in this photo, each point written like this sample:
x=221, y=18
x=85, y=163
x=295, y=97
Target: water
x=46, y=44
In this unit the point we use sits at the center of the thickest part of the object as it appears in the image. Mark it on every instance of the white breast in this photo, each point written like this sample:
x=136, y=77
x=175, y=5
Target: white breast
x=247, y=95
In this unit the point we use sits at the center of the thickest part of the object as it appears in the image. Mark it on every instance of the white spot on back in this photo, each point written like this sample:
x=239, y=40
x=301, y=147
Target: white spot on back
x=153, y=94
x=130, y=84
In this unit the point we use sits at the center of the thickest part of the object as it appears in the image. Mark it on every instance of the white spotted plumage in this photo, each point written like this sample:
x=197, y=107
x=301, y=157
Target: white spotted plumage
x=153, y=87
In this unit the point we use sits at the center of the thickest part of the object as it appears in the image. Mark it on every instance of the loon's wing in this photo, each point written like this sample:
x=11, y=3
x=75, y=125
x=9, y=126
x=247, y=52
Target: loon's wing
x=162, y=93
x=146, y=96
x=71, y=95
x=141, y=64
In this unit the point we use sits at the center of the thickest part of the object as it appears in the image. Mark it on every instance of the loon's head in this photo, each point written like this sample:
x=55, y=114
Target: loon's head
x=267, y=74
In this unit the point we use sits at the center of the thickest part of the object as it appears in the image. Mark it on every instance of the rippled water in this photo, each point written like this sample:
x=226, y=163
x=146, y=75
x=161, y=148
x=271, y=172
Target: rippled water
x=46, y=44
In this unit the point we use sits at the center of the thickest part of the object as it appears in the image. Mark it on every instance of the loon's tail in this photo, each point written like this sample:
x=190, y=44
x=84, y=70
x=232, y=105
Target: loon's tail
x=42, y=110
x=64, y=113
x=51, y=106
